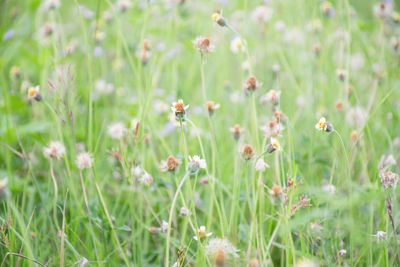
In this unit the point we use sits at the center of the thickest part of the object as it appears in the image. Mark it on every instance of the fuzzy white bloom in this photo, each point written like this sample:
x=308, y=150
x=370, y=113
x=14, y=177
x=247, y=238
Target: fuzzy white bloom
x=164, y=227
x=55, y=150
x=117, y=130
x=202, y=233
x=262, y=14
x=84, y=160
x=261, y=166
x=280, y=26
x=146, y=179
x=220, y=246
x=380, y=235
x=382, y=10
x=237, y=45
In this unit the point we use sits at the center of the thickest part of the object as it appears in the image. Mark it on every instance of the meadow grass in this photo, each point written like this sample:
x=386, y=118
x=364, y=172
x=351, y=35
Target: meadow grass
x=183, y=133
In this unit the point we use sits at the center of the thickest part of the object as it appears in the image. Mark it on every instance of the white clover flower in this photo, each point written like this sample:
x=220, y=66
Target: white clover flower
x=55, y=150
x=261, y=166
x=84, y=160
x=202, y=233
x=237, y=45
x=117, y=130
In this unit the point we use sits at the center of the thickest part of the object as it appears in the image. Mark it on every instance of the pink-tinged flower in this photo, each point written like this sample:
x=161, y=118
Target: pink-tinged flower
x=170, y=165
x=251, y=84
x=84, y=160
x=262, y=14
x=202, y=233
x=203, y=45
x=272, y=96
x=236, y=131
x=221, y=251
x=55, y=150
x=211, y=107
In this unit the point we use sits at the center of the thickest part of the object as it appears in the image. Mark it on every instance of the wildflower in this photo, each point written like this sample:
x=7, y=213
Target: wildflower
x=52, y=4
x=316, y=48
x=276, y=68
x=329, y=188
x=117, y=130
x=247, y=152
x=353, y=136
x=220, y=251
x=276, y=191
x=236, y=130
x=323, y=125
x=315, y=25
x=164, y=227
x=4, y=191
x=103, y=87
x=327, y=9
x=184, y=212
x=55, y=150
x=237, y=45
x=203, y=45
x=15, y=72
x=274, y=145
x=316, y=227
x=272, y=96
x=380, y=235
x=195, y=164
x=339, y=105
x=261, y=166
x=84, y=160
x=396, y=17
x=33, y=93
x=305, y=263
x=382, y=10
x=202, y=233
x=387, y=160
x=280, y=117
x=179, y=109
x=251, y=84
x=99, y=36
x=219, y=19
x=160, y=106
x=356, y=116
x=146, y=179
x=170, y=165
x=341, y=74
x=123, y=5
x=262, y=14
x=211, y=107
x=342, y=253
x=395, y=42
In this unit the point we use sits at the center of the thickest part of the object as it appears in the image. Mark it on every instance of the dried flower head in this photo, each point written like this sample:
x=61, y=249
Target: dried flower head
x=170, y=165
x=84, y=160
x=247, y=152
x=203, y=45
x=323, y=125
x=389, y=179
x=236, y=130
x=55, y=150
x=251, y=84
x=179, y=110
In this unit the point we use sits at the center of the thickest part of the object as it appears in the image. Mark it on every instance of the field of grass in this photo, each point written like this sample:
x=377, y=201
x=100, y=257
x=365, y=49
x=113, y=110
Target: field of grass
x=199, y=133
